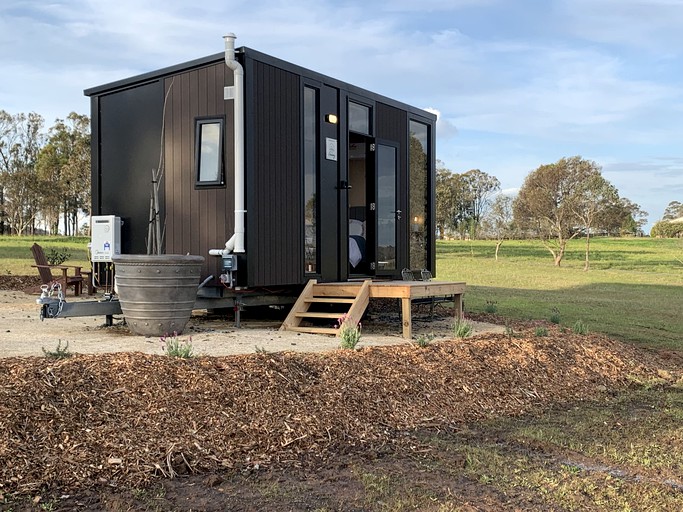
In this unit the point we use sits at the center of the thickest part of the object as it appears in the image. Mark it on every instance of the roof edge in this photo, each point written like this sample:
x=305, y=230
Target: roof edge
x=154, y=75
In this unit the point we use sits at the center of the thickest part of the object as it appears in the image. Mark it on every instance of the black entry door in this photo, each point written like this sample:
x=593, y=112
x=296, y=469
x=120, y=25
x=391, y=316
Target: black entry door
x=373, y=213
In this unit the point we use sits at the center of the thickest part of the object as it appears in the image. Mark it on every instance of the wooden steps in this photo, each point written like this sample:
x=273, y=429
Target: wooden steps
x=355, y=295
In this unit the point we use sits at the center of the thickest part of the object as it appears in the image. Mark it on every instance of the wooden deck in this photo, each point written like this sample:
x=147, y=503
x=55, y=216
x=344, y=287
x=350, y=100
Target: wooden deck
x=406, y=291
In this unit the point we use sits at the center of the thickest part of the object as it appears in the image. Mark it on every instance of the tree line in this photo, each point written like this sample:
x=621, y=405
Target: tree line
x=44, y=177
x=556, y=203
x=671, y=224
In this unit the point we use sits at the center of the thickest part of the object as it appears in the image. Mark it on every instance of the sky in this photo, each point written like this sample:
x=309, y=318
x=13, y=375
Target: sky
x=516, y=83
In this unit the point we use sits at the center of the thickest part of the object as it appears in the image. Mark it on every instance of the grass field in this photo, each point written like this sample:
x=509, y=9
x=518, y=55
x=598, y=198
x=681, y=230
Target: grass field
x=633, y=290
x=16, y=257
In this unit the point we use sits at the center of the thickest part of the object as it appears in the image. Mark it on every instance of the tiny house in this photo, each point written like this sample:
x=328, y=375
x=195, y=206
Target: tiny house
x=275, y=173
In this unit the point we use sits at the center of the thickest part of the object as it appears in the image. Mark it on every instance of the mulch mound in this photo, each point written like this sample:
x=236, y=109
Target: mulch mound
x=124, y=419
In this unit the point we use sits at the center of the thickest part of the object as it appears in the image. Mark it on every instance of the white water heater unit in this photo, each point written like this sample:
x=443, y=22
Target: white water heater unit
x=105, y=240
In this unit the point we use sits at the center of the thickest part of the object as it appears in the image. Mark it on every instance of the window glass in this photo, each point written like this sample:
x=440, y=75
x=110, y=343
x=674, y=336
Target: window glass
x=310, y=179
x=386, y=207
x=209, y=148
x=419, y=194
x=359, y=118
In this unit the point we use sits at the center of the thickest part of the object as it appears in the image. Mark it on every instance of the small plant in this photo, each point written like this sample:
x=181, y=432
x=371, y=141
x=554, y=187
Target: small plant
x=260, y=350
x=349, y=332
x=462, y=328
x=423, y=340
x=509, y=331
x=58, y=353
x=580, y=327
x=491, y=306
x=555, y=315
x=175, y=347
x=58, y=256
x=541, y=332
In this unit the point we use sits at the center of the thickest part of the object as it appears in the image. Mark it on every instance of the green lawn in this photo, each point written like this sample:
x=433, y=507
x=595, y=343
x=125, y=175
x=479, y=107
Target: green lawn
x=633, y=290
x=16, y=257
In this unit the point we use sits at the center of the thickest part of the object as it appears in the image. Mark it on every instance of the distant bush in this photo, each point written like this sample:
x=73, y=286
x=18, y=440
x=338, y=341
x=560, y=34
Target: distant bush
x=667, y=229
x=57, y=256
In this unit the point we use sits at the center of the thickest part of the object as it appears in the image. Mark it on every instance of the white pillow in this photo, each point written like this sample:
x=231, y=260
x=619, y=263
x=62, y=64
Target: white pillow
x=356, y=227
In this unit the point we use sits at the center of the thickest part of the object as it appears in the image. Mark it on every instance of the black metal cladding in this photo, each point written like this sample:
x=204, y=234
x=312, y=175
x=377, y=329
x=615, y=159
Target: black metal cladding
x=274, y=175
x=129, y=135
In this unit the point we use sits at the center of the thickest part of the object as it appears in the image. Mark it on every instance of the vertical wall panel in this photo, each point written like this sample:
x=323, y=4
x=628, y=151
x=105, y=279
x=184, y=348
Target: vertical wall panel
x=392, y=125
x=129, y=132
x=275, y=237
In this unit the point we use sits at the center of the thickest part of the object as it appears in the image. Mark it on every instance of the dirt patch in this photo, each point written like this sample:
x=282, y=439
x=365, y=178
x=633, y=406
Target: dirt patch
x=22, y=333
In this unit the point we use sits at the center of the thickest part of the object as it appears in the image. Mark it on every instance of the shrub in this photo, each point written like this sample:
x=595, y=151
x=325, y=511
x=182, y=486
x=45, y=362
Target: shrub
x=555, y=316
x=580, y=327
x=509, y=331
x=423, y=340
x=57, y=256
x=491, y=306
x=174, y=347
x=541, y=332
x=349, y=332
x=59, y=352
x=462, y=328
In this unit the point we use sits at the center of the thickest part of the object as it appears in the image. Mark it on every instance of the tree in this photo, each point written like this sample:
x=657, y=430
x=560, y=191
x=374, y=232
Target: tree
x=20, y=142
x=444, y=198
x=593, y=195
x=64, y=172
x=462, y=199
x=480, y=187
x=546, y=202
x=500, y=219
x=674, y=210
x=630, y=220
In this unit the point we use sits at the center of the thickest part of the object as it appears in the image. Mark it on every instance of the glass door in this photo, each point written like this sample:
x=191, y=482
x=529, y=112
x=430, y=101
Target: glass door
x=387, y=212
x=361, y=206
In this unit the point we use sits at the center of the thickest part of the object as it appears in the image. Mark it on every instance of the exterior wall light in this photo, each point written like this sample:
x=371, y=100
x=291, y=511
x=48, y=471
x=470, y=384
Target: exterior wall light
x=331, y=118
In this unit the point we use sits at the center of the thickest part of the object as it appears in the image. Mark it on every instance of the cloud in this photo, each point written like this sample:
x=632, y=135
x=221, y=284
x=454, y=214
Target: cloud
x=444, y=128
x=645, y=25
x=510, y=192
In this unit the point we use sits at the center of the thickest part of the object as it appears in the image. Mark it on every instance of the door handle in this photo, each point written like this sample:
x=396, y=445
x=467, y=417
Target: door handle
x=344, y=185
x=398, y=214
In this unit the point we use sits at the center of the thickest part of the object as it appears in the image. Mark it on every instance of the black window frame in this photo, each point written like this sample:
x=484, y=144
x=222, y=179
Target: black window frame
x=199, y=123
x=316, y=88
